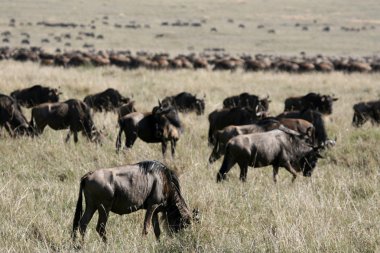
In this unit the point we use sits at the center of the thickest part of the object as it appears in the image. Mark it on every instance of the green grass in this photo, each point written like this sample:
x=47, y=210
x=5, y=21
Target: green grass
x=336, y=210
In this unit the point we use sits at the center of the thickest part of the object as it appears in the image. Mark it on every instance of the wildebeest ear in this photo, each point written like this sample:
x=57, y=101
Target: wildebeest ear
x=335, y=99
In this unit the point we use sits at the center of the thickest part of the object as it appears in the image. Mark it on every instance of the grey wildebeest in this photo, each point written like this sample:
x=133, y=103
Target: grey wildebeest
x=159, y=126
x=146, y=185
x=221, y=118
x=186, y=102
x=223, y=136
x=365, y=111
x=36, y=95
x=311, y=101
x=280, y=148
x=12, y=118
x=107, y=100
x=72, y=114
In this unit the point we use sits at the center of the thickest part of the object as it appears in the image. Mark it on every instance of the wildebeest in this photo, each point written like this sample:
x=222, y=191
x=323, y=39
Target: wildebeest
x=312, y=101
x=72, y=114
x=146, y=185
x=158, y=126
x=12, y=118
x=221, y=118
x=36, y=95
x=317, y=120
x=280, y=148
x=365, y=111
x=186, y=102
x=107, y=100
x=223, y=136
x=247, y=100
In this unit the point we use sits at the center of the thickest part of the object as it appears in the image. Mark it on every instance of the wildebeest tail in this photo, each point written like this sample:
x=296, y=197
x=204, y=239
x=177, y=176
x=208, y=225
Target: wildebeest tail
x=78, y=209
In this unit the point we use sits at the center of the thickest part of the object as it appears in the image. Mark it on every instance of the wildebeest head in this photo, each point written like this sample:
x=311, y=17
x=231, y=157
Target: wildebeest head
x=361, y=114
x=264, y=104
x=199, y=106
x=326, y=105
x=309, y=162
x=54, y=95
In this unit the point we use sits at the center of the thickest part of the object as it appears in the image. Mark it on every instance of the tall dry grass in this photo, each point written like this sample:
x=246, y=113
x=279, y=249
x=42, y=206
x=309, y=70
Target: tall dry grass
x=336, y=210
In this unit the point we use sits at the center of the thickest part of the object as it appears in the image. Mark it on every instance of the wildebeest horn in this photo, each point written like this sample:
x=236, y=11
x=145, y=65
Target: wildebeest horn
x=159, y=103
x=288, y=131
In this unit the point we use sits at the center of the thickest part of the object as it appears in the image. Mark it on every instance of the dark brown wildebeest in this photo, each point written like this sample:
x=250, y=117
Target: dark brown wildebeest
x=72, y=114
x=146, y=185
x=311, y=101
x=126, y=109
x=365, y=111
x=280, y=148
x=316, y=119
x=36, y=95
x=107, y=100
x=12, y=118
x=223, y=136
x=186, y=102
x=237, y=116
x=247, y=100
x=158, y=126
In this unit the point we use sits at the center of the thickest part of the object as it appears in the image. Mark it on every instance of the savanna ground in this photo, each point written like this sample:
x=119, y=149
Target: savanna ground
x=336, y=210
x=288, y=20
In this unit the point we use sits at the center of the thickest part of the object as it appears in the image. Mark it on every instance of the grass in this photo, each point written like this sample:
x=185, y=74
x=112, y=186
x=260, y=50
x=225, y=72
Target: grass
x=286, y=19
x=336, y=210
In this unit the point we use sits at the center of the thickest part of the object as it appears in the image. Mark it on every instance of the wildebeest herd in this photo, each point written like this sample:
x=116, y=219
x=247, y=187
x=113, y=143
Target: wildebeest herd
x=242, y=131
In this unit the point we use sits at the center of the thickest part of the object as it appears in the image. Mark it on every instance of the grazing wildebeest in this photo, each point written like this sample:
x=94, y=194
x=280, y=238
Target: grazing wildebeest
x=186, y=102
x=312, y=101
x=317, y=120
x=223, y=136
x=12, y=118
x=221, y=118
x=72, y=114
x=146, y=185
x=126, y=109
x=158, y=126
x=247, y=100
x=107, y=100
x=36, y=95
x=280, y=148
x=365, y=111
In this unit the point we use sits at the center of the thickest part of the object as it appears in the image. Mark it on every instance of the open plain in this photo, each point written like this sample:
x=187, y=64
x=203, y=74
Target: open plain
x=336, y=210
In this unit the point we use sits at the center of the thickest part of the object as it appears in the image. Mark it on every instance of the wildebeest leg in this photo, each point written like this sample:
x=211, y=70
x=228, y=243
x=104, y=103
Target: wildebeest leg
x=173, y=144
x=289, y=168
x=227, y=164
x=148, y=218
x=156, y=225
x=164, y=146
x=9, y=129
x=102, y=221
x=130, y=139
x=275, y=172
x=118, y=140
x=243, y=171
x=75, y=136
x=87, y=216
x=68, y=136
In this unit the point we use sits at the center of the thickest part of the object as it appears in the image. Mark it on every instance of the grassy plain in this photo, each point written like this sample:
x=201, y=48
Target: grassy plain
x=286, y=18
x=336, y=210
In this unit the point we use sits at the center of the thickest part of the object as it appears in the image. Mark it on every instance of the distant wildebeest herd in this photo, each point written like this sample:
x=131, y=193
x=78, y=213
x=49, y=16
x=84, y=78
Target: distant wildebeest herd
x=242, y=131
x=127, y=60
